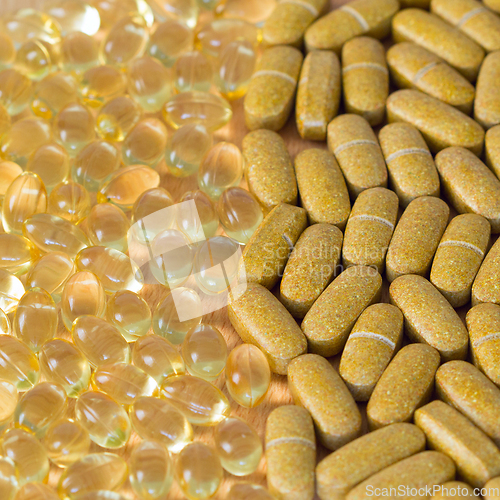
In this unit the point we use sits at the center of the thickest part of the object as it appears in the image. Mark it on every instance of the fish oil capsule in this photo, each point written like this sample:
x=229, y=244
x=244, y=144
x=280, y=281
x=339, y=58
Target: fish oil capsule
x=7, y=51
x=101, y=83
x=36, y=491
x=130, y=314
x=482, y=289
x=66, y=441
x=126, y=40
x=364, y=17
x=107, y=226
x=271, y=92
x=370, y=228
x=201, y=402
x=441, y=125
x=200, y=221
x=318, y=93
x=343, y=469
x=185, y=11
x=180, y=303
x=17, y=254
x=39, y=407
x=170, y=40
x=355, y=146
x=414, y=67
x=74, y=15
x=33, y=59
x=5, y=326
x=248, y=491
x=64, y=364
x=111, y=10
x=193, y=71
x=100, y=342
x=255, y=11
x=290, y=433
x=417, y=237
x=18, y=364
x=429, y=317
x=9, y=396
x=151, y=470
x=117, y=118
x=487, y=101
x=95, y=163
x=79, y=53
x=16, y=91
x=373, y=340
x=157, y=357
x=69, y=200
x=51, y=163
x=155, y=419
x=35, y=321
x=74, y=127
x=28, y=455
x=145, y=143
x=8, y=172
x=330, y=319
x=9, y=483
x=11, y=291
x=492, y=150
x=462, y=246
x=5, y=121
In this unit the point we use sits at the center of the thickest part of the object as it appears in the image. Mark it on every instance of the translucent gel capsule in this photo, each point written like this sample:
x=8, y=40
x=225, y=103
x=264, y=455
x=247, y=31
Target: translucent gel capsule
x=125, y=185
x=205, y=352
x=107, y=226
x=157, y=357
x=115, y=270
x=97, y=471
x=74, y=127
x=201, y=224
x=16, y=90
x=17, y=254
x=126, y=40
x=248, y=491
x=11, y=291
x=201, y=402
x=35, y=321
x=36, y=491
x=8, y=403
x=39, y=407
x=5, y=120
x=79, y=53
x=101, y=495
x=7, y=51
x=100, y=342
x=111, y=10
x=18, y=364
x=254, y=11
x=198, y=471
x=193, y=71
x=64, y=364
x=53, y=93
x=74, y=15
x=117, y=118
x=5, y=326
x=182, y=10
x=101, y=83
x=83, y=294
x=9, y=479
x=69, y=200
x=130, y=314
x=209, y=110
x=145, y=143
x=105, y=420
x=52, y=233
x=8, y=172
x=27, y=453
x=33, y=60
x=66, y=442
x=95, y=163
x=51, y=163
x=171, y=39
x=247, y=375
x=151, y=470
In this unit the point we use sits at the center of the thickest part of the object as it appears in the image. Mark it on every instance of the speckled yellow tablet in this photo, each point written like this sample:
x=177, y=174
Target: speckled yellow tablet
x=454, y=490
x=343, y=469
x=412, y=172
x=483, y=323
x=447, y=430
x=429, y=317
x=289, y=20
x=310, y=268
x=317, y=387
x=492, y=488
x=441, y=125
x=492, y=149
x=493, y=5
x=463, y=386
x=469, y=184
x=290, y=434
x=437, y=36
x=365, y=78
x=268, y=168
x=458, y=257
x=373, y=340
x=332, y=316
x=318, y=94
x=267, y=252
x=322, y=188
x=485, y=287
x=261, y=319
x=427, y=468
x=416, y=237
x=271, y=92
x=487, y=103
x=369, y=228
x=355, y=146
x=360, y=17
x=472, y=18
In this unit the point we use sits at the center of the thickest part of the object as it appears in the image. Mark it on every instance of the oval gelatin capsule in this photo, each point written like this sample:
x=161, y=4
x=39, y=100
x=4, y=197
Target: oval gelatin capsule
x=16, y=91
x=145, y=143
x=11, y=291
x=100, y=84
x=51, y=163
x=7, y=51
x=193, y=71
x=8, y=404
x=17, y=254
x=170, y=40
x=36, y=491
x=34, y=60
x=248, y=491
x=5, y=326
x=69, y=200
x=8, y=172
x=117, y=118
x=107, y=226
x=200, y=221
x=130, y=314
x=79, y=53
x=74, y=15
x=255, y=11
x=185, y=10
x=74, y=127
x=18, y=364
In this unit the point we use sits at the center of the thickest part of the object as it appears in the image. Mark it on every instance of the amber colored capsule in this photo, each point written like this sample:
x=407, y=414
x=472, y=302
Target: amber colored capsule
x=74, y=15
x=17, y=254
x=74, y=127
x=11, y=291
x=30, y=23
x=7, y=51
x=16, y=90
x=101, y=83
x=5, y=326
x=111, y=10
x=64, y=364
x=79, y=53
x=117, y=118
x=33, y=60
x=200, y=221
x=99, y=341
x=8, y=172
x=170, y=39
x=130, y=313
x=9, y=479
x=145, y=143
x=5, y=120
x=185, y=11
x=248, y=491
x=107, y=226
x=51, y=163
x=18, y=364
x=8, y=404
x=69, y=200
x=36, y=491
x=193, y=71
x=105, y=420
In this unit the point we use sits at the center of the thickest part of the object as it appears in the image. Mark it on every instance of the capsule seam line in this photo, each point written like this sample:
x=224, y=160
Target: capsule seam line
x=273, y=72
x=486, y=338
x=421, y=72
x=371, y=65
x=464, y=244
x=374, y=336
x=306, y=5
x=406, y=151
x=374, y=218
x=470, y=15
x=354, y=13
x=350, y=144
x=291, y=440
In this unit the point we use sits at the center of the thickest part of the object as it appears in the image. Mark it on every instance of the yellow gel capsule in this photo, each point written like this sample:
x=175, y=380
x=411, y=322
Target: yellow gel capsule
x=193, y=71
x=51, y=163
x=102, y=495
x=69, y=200
x=107, y=226
x=79, y=53
x=27, y=24
x=18, y=364
x=39, y=407
x=11, y=291
x=209, y=110
x=17, y=254
x=8, y=172
x=36, y=491
x=66, y=442
x=5, y=120
x=8, y=403
x=74, y=127
x=35, y=321
x=83, y=294
x=248, y=491
x=101, y=83
x=74, y=15
x=182, y=10
x=33, y=60
x=64, y=364
x=156, y=419
x=16, y=90
x=198, y=222
x=145, y=143
x=130, y=314
x=111, y=10
x=171, y=39
x=100, y=342
x=53, y=93
x=5, y=326
x=117, y=118
x=254, y=11
x=7, y=51
x=198, y=471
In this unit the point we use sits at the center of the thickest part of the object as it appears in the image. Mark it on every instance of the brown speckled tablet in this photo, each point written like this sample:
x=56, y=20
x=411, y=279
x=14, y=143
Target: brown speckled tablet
x=454, y=490
x=487, y=102
x=486, y=286
x=492, y=149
